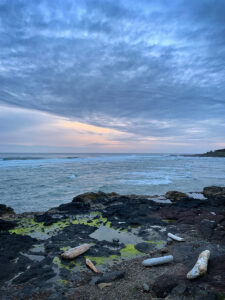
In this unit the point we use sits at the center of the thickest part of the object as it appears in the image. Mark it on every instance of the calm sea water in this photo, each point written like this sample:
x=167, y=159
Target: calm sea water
x=36, y=182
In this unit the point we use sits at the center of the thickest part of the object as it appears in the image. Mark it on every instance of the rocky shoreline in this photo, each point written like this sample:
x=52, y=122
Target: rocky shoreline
x=123, y=230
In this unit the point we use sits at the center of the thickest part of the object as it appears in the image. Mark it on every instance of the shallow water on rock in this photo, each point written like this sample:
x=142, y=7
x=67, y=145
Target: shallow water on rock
x=104, y=233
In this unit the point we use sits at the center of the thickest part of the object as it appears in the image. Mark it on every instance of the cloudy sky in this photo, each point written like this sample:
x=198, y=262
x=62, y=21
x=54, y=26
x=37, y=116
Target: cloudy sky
x=112, y=76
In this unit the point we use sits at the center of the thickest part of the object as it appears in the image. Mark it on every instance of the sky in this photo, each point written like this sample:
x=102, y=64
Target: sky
x=112, y=76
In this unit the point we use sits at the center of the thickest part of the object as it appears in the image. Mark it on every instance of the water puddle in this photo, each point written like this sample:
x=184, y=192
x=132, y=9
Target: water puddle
x=104, y=233
x=38, y=248
x=36, y=258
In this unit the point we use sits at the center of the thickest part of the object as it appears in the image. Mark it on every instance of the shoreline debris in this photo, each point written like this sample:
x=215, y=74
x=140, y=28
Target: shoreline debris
x=157, y=260
x=175, y=237
x=74, y=252
x=200, y=268
x=91, y=265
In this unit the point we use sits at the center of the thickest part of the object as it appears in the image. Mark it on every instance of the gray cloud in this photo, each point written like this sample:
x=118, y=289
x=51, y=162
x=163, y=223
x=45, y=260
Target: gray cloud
x=147, y=68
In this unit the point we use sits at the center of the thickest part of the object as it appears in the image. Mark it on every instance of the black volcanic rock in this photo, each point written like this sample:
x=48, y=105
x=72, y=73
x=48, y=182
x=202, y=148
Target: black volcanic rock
x=6, y=210
x=74, y=207
x=6, y=225
x=46, y=219
x=215, y=194
x=175, y=195
x=11, y=247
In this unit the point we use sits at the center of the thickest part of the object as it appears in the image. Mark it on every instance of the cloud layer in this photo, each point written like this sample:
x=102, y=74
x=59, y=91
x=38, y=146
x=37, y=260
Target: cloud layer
x=146, y=68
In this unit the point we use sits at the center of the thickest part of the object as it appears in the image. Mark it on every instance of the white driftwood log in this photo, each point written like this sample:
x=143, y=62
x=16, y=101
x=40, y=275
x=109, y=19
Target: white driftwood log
x=175, y=237
x=157, y=261
x=74, y=252
x=201, y=265
x=91, y=265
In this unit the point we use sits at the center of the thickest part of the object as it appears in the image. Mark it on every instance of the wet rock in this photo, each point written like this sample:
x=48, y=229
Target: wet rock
x=6, y=225
x=164, y=284
x=215, y=194
x=38, y=271
x=115, y=240
x=11, y=261
x=145, y=247
x=212, y=191
x=6, y=210
x=91, y=198
x=175, y=195
x=46, y=219
x=110, y=276
x=74, y=207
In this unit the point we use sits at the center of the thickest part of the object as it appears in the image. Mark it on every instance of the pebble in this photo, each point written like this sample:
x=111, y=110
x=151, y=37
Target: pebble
x=164, y=250
x=146, y=288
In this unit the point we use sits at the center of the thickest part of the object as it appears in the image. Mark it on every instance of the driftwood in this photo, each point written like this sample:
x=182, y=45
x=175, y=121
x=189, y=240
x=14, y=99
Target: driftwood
x=91, y=265
x=74, y=252
x=175, y=237
x=157, y=261
x=201, y=265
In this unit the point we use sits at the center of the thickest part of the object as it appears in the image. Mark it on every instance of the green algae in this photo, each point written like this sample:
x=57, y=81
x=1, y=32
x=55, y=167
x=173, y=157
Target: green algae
x=129, y=251
x=65, y=248
x=154, y=242
x=94, y=220
x=71, y=265
x=63, y=281
x=102, y=260
x=28, y=226
x=169, y=221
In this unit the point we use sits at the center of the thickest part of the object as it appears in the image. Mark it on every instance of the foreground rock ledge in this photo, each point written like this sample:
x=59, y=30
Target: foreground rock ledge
x=123, y=230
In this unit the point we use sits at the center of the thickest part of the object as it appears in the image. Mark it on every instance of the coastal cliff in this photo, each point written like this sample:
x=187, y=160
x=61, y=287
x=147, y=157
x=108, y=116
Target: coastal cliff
x=216, y=153
x=122, y=231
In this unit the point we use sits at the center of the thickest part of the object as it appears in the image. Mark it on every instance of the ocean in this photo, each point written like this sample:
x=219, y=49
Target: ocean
x=37, y=182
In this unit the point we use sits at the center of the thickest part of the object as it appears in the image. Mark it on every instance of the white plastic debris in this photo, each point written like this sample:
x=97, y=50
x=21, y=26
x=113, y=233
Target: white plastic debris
x=157, y=261
x=175, y=237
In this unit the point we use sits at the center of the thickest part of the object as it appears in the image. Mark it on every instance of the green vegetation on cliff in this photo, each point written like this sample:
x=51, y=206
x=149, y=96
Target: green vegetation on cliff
x=216, y=153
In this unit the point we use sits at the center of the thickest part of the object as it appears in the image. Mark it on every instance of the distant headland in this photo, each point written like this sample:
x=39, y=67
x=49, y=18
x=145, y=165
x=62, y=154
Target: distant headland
x=215, y=153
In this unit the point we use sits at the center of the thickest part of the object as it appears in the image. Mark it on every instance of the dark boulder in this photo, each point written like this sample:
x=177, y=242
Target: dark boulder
x=96, y=198
x=215, y=194
x=6, y=210
x=74, y=207
x=46, y=219
x=175, y=195
x=6, y=225
x=145, y=247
